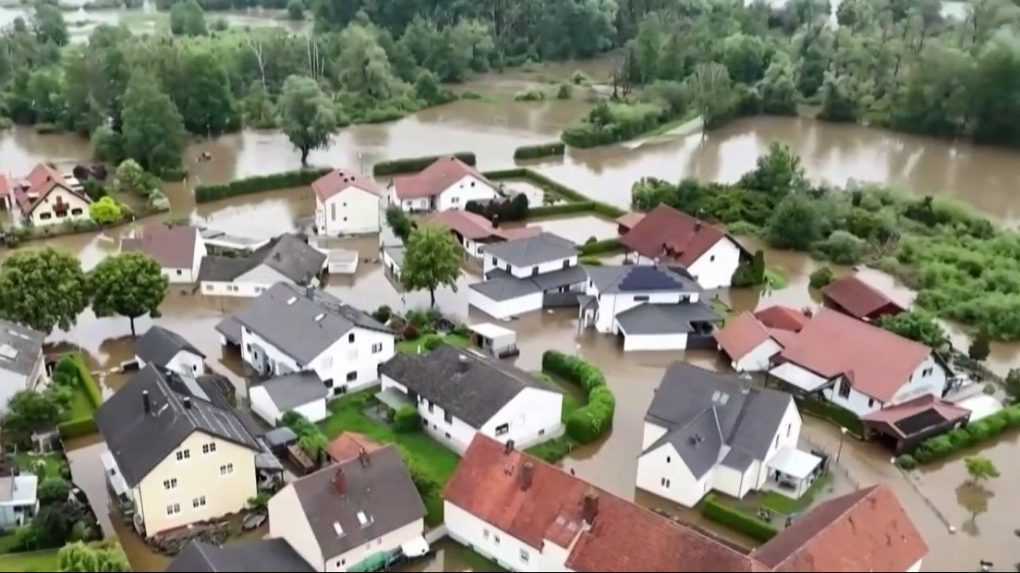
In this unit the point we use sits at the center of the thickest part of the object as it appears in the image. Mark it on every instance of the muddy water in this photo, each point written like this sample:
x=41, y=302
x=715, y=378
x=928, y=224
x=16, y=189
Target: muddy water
x=579, y=229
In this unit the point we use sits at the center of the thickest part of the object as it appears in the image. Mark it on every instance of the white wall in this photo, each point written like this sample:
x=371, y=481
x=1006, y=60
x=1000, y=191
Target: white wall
x=758, y=359
x=287, y=521
x=238, y=288
x=469, y=188
x=491, y=263
x=732, y=482
x=715, y=268
x=534, y=417
x=185, y=362
x=75, y=205
x=651, y=342
x=499, y=546
x=352, y=211
x=410, y=205
x=612, y=305
x=387, y=542
x=391, y=264
x=665, y=463
x=506, y=308
x=456, y=434
x=266, y=409
x=920, y=384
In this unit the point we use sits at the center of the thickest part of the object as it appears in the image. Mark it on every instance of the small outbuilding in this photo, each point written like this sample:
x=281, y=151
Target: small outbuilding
x=495, y=340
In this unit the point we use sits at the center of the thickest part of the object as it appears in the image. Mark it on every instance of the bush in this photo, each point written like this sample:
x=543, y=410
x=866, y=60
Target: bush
x=1013, y=384
x=556, y=149
x=749, y=525
x=589, y=422
x=53, y=490
x=906, y=462
x=296, y=10
x=980, y=347
x=530, y=95
x=612, y=123
x=411, y=332
x=416, y=164
x=77, y=428
x=822, y=277
x=288, y=179
x=566, y=91
x=842, y=248
x=406, y=420
x=601, y=247
x=383, y=314
x=432, y=342
x=1013, y=416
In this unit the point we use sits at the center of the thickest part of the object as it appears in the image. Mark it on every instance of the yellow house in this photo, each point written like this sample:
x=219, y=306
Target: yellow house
x=182, y=452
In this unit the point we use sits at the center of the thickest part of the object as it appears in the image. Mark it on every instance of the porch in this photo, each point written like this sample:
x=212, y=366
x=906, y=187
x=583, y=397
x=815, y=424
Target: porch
x=792, y=472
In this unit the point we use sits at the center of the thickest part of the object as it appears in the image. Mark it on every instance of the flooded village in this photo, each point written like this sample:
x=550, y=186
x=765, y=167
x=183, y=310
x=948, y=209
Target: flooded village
x=962, y=527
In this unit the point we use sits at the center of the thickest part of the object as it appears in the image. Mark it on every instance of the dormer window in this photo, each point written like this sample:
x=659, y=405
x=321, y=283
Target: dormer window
x=364, y=520
x=337, y=529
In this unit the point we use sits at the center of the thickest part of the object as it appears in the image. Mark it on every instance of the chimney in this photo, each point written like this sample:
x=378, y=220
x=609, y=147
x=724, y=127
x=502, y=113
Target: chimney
x=697, y=226
x=509, y=448
x=527, y=475
x=590, y=509
x=462, y=364
x=364, y=458
x=340, y=481
x=309, y=291
x=187, y=402
x=146, y=402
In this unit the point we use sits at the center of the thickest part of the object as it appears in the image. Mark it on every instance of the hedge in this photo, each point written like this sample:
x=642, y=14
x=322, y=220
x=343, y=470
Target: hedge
x=77, y=428
x=556, y=149
x=416, y=164
x=406, y=420
x=833, y=413
x=990, y=428
x=589, y=422
x=259, y=184
x=601, y=247
x=739, y=521
x=87, y=382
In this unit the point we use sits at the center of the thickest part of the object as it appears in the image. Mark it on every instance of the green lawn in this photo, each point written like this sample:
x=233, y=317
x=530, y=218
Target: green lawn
x=55, y=464
x=781, y=504
x=557, y=449
x=416, y=346
x=7, y=541
x=421, y=451
x=45, y=560
x=81, y=406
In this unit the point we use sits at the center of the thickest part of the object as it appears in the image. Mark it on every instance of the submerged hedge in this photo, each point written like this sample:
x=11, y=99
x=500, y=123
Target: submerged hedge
x=739, y=521
x=556, y=149
x=259, y=184
x=576, y=202
x=416, y=164
x=976, y=433
x=589, y=422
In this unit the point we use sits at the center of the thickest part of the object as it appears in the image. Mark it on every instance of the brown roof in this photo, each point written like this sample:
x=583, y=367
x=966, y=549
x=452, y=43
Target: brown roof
x=350, y=445
x=34, y=188
x=670, y=234
x=741, y=335
x=865, y=531
x=476, y=227
x=629, y=220
x=877, y=362
x=859, y=299
x=782, y=318
x=173, y=247
x=434, y=179
x=900, y=412
x=339, y=180
x=622, y=537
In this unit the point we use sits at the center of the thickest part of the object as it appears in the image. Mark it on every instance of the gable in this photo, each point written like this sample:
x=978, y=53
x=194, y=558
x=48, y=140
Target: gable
x=262, y=274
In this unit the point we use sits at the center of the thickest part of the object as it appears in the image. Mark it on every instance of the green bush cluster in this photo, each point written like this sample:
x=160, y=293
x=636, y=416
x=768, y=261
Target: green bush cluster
x=310, y=437
x=72, y=370
x=556, y=149
x=77, y=428
x=259, y=184
x=601, y=247
x=990, y=428
x=739, y=521
x=533, y=94
x=589, y=422
x=612, y=123
x=406, y=420
x=416, y=164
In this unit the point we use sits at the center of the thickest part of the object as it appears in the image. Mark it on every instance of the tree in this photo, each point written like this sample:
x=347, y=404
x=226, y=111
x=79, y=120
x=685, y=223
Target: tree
x=427, y=87
x=206, y=103
x=187, y=19
x=778, y=89
x=106, y=211
x=996, y=114
x=432, y=260
x=1013, y=384
x=104, y=558
x=777, y=173
x=981, y=469
x=980, y=347
x=49, y=24
x=363, y=66
x=131, y=285
x=745, y=57
x=153, y=131
x=398, y=220
x=821, y=278
x=296, y=10
x=306, y=115
x=712, y=92
x=29, y=411
x=795, y=224
x=53, y=490
x=43, y=289
x=918, y=325
x=131, y=179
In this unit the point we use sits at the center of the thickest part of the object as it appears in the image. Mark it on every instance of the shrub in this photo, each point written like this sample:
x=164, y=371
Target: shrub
x=416, y=164
x=1013, y=416
x=288, y=179
x=614, y=123
x=530, y=95
x=411, y=332
x=432, y=342
x=555, y=149
x=600, y=247
x=980, y=347
x=53, y=490
x=383, y=314
x=589, y=422
x=565, y=91
x=822, y=277
x=77, y=428
x=1013, y=383
x=406, y=420
x=960, y=438
x=843, y=248
x=749, y=525
x=906, y=462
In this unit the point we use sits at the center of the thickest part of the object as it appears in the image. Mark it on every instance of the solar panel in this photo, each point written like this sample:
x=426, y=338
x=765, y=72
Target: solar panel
x=647, y=279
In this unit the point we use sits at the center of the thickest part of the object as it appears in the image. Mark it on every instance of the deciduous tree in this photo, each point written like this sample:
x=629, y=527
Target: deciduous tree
x=131, y=285
x=43, y=289
x=306, y=115
x=432, y=260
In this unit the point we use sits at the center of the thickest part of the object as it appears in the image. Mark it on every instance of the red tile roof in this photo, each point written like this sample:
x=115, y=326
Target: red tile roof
x=623, y=536
x=173, y=247
x=782, y=318
x=339, y=180
x=741, y=335
x=30, y=192
x=349, y=445
x=434, y=179
x=476, y=227
x=865, y=531
x=859, y=299
x=877, y=362
x=900, y=412
x=630, y=220
x=672, y=235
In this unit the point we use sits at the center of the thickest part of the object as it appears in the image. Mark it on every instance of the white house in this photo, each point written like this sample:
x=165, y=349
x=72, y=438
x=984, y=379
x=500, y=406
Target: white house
x=706, y=431
x=179, y=250
x=169, y=350
x=345, y=514
x=22, y=364
x=858, y=366
x=347, y=203
x=671, y=237
x=649, y=307
x=47, y=197
x=461, y=393
x=525, y=275
x=448, y=183
x=475, y=233
x=301, y=392
x=286, y=259
x=288, y=330
x=19, y=501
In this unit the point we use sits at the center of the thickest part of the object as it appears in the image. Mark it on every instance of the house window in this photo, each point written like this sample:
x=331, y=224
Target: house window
x=332, y=211
x=447, y=435
x=712, y=258
x=844, y=388
x=669, y=459
x=198, y=502
x=524, y=556
x=454, y=200
x=377, y=348
x=350, y=337
x=209, y=448
x=352, y=376
x=183, y=455
x=871, y=402
x=170, y=483
x=339, y=391
x=496, y=539
x=664, y=482
x=789, y=430
x=534, y=271
x=502, y=429
x=180, y=272
x=76, y=212
x=45, y=217
x=226, y=469
x=641, y=298
x=432, y=406
x=173, y=509
x=448, y=418
x=566, y=264
x=777, y=440
x=494, y=263
x=485, y=534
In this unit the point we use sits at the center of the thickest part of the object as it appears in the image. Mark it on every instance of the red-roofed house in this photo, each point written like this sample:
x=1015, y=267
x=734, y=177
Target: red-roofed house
x=448, y=183
x=860, y=300
x=346, y=203
x=47, y=197
x=474, y=231
x=858, y=366
x=179, y=250
x=748, y=343
x=782, y=318
x=670, y=237
x=906, y=425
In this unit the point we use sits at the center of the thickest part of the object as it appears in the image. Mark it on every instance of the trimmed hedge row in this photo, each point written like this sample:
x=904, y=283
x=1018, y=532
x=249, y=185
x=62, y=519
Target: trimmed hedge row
x=416, y=164
x=601, y=247
x=87, y=382
x=749, y=525
x=944, y=446
x=833, y=413
x=589, y=422
x=556, y=149
x=285, y=180
x=77, y=428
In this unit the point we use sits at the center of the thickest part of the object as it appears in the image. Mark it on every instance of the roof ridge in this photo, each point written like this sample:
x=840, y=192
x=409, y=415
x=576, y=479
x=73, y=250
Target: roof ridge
x=864, y=494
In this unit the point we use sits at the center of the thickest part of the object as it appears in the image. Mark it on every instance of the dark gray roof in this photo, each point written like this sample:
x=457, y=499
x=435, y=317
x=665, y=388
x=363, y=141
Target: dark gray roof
x=381, y=489
x=506, y=288
x=665, y=318
x=466, y=384
x=289, y=255
x=139, y=441
x=702, y=411
x=501, y=285
x=264, y=555
x=561, y=278
x=218, y=268
x=159, y=346
x=20, y=347
x=230, y=329
x=302, y=323
x=292, y=390
x=542, y=248
x=282, y=436
x=640, y=278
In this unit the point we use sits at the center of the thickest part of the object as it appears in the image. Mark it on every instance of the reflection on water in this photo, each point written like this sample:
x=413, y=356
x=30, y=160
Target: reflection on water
x=973, y=497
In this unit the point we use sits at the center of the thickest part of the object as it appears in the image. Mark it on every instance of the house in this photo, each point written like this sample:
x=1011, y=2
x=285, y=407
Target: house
x=350, y=445
x=674, y=238
x=495, y=340
x=288, y=330
x=218, y=242
x=301, y=392
x=47, y=197
x=778, y=317
x=648, y=307
x=474, y=232
x=343, y=515
x=340, y=259
x=526, y=275
x=851, y=295
x=904, y=426
x=749, y=345
x=259, y=556
x=185, y=457
x=868, y=530
x=347, y=203
x=626, y=222
x=179, y=250
x=461, y=393
x=19, y=502
x=857, y=366
x=22, y=364
x=287, y=259
x=169, y=350
x=706, y=431
x=448, y=183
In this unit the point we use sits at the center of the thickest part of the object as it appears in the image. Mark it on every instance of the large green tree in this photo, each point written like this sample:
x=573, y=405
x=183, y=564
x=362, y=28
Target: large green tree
x=187, y=19
x=49, y=24
x=30, y=411
x=43, y=289
x=131, y=285
x=306, y=115
x=153, y=131
x=206, y=103
x=432, y=260
x=711, y=91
